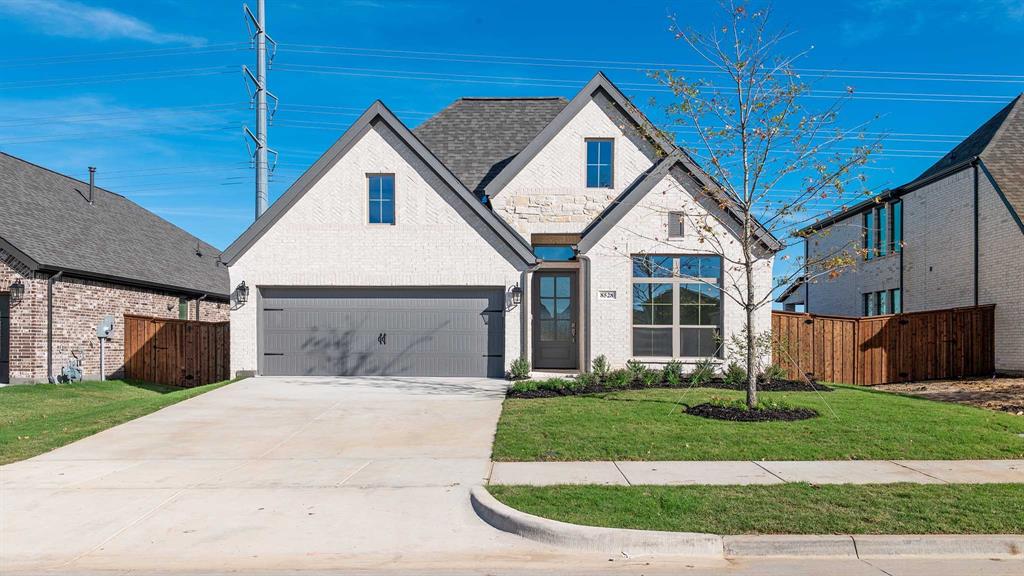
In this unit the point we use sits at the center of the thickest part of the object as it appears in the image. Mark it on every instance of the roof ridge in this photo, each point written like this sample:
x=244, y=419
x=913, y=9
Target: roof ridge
x=61, y=174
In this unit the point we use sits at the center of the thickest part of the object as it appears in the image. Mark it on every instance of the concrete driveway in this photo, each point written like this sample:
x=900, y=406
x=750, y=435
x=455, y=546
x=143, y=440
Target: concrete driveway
x=268, y=473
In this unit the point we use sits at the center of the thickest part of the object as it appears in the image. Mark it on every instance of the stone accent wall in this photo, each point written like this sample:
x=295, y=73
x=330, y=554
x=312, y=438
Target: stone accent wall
x=549, y=195
x=78, y=306
x=644, y=230
x=325, y=239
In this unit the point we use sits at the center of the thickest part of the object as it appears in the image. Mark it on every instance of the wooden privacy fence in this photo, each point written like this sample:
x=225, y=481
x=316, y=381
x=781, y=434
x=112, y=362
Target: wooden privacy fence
x=952, y=343
x=175, y=352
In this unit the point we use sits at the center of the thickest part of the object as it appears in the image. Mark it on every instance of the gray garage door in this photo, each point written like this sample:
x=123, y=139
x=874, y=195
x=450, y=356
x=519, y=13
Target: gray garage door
x=385, y=332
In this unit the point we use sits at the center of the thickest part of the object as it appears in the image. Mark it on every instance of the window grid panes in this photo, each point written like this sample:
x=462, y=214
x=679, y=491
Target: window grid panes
x=555, y=294
x=883, y=230
x=599, y=163
x=382, y=198
x=677, y=306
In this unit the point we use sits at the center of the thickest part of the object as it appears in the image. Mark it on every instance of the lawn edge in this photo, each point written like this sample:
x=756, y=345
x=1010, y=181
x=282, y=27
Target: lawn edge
x=623, y=540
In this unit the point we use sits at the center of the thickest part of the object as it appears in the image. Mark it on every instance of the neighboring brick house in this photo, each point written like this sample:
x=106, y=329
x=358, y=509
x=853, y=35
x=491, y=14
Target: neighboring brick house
x=91, y=258
x=953, y=236
x=500, y=228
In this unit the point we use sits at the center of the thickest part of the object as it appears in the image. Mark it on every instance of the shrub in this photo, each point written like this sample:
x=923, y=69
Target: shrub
x=554, y=384
x=619, y=379
x=773, y=373
x=636, y=369
x=735, y=376
x=741, y=404
x=673, y=372
x=583, y=381
x=703, y=372
x=524, y=386
x=519, y=369
x=651, y=378
x=601, y=368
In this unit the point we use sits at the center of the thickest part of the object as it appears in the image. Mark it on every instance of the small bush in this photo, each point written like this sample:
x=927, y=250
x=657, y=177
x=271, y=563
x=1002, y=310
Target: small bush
x=524, y=386
x=773, y=373
x=582, y=382
x=619, y=379
x=554, y=384
x=703, y=372
x=519, y=369
x=651, y=378
x=735, y=376
x=636, y=369
x=741, y=404
x=601, y=368
x=673, y=372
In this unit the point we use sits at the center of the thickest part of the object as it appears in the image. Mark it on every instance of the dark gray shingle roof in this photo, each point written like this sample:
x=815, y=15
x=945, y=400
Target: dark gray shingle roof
x=1000, y=144
x=477, y=137
x=44, y=216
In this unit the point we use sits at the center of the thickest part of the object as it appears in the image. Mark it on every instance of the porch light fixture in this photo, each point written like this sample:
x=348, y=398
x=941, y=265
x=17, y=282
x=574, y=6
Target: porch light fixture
x=517, y=295
x=17, y=291
x=242, y=293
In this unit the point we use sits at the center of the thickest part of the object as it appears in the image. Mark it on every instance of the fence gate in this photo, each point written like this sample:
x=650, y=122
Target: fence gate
x=951, y=343
x=175, y=352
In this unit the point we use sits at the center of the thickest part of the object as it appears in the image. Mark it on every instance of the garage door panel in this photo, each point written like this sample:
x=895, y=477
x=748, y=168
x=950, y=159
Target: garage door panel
x=387, y=331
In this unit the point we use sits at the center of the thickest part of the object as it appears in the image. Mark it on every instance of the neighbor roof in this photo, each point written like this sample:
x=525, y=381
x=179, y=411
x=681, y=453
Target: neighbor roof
x=477, y=137
x=46, y=221
x=998, y=143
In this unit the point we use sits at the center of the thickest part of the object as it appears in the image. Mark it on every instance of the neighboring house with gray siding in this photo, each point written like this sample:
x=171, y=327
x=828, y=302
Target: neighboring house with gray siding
x=500, y=228
x=954, y=236
x=72, y=253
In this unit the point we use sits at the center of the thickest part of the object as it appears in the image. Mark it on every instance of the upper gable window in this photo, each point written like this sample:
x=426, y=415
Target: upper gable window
x=600, y=153
x=382, y=198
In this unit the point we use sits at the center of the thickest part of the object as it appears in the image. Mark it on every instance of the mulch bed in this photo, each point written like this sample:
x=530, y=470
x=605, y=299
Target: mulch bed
x=776, y=386
x=716, y=412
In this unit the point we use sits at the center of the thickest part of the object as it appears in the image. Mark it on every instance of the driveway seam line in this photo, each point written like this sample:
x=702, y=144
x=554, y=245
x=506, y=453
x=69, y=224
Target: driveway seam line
x=349, y=477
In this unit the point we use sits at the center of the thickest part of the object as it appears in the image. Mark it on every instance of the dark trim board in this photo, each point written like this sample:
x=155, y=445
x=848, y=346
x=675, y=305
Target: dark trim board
x=5, y=338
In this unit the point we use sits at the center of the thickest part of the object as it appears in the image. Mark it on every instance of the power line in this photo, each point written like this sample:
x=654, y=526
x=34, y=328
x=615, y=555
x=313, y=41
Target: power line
x=122, y=55
x=124, y=77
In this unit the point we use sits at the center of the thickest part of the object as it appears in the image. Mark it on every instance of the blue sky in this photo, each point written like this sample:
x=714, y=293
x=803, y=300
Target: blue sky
x=152, y=92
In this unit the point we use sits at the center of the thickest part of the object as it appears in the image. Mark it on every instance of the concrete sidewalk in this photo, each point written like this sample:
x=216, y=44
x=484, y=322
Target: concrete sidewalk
x=625, y=473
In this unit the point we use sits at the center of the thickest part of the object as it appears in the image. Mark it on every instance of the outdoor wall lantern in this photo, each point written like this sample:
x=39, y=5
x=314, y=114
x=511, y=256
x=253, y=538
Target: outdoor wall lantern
x=517, y=295
x=242, y=293
x=17, y=292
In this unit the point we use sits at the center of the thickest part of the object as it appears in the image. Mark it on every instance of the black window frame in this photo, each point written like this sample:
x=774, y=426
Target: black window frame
x=383, y=176
x=587, y=163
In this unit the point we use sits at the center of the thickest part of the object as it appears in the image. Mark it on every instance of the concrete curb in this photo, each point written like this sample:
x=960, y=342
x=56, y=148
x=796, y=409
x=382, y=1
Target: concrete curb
x=591, y=538
x=636, y=542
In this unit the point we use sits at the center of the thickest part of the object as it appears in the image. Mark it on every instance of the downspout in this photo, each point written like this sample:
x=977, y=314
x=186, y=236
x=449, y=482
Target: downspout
x=49, y=326
x=198, y=300
x=807, y=276
x=525, y=326
x=976, y=239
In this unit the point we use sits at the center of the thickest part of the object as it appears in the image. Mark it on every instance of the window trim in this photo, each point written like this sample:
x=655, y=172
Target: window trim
x=676, y=279
x=611, y=163
x=680, y=217
x=182, y=308
x=394, y=198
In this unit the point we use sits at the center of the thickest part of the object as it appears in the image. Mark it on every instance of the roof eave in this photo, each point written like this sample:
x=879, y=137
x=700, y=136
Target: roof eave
x=87, y=275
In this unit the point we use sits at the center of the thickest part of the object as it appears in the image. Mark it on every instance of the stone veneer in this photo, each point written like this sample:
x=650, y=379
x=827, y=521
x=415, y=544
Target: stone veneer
x=78, y=306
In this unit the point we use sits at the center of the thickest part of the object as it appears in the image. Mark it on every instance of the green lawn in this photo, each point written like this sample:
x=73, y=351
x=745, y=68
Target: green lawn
x=651, y=425
x=782, y=508
x=37, y=418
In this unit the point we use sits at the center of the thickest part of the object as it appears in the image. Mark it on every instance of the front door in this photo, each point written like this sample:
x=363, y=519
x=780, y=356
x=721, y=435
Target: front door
x=555, y=320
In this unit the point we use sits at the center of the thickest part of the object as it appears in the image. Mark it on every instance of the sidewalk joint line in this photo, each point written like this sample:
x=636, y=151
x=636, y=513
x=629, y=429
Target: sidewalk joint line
x=621, y=473
x=918, y=472
x=883, y=571
x=781, y=479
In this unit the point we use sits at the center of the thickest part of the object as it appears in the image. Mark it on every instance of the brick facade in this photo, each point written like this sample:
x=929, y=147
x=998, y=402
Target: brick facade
x=78, y=306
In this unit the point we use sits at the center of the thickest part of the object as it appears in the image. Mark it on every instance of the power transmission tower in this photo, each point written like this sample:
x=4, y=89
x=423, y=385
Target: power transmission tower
x=258, y=95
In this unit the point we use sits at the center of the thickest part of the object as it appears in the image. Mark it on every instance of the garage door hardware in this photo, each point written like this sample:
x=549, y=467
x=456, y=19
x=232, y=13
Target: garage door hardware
x=383, y=338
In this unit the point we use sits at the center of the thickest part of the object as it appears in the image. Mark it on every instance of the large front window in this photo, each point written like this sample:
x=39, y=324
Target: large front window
x=677, y=306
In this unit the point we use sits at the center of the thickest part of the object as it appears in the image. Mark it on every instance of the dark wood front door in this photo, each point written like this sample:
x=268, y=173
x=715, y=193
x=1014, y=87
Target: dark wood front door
x=555, y=320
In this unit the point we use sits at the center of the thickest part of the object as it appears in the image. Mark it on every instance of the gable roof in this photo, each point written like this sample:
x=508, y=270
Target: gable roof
x=49, y=225
x=477, y=137
x=795, y=285
x=631, y=196
x=598, y=84
x=998, y=144
x=377, y=112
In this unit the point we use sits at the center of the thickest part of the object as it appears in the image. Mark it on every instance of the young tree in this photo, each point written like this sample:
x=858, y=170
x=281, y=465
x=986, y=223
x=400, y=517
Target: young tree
x=775, y=161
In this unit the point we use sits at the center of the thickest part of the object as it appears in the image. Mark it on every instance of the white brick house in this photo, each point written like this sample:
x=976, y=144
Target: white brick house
x=952, y=237
x=500, y=228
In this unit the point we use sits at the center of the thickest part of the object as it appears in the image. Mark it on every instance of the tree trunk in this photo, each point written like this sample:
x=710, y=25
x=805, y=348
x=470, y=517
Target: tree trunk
x=751, y=334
